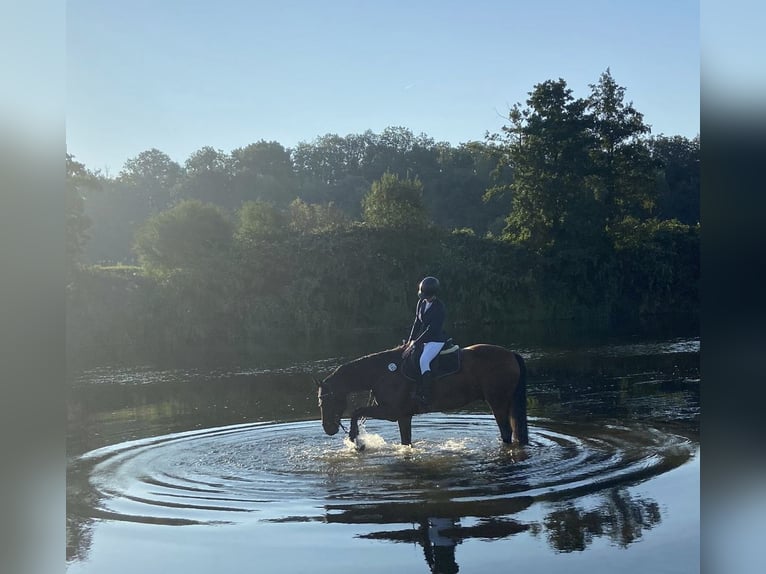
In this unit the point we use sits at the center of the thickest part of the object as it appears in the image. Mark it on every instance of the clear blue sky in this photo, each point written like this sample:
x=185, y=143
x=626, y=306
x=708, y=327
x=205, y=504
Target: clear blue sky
x=178, y=75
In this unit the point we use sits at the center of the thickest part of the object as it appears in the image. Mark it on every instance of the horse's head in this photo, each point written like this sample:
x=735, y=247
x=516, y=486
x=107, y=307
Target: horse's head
x=331, y=405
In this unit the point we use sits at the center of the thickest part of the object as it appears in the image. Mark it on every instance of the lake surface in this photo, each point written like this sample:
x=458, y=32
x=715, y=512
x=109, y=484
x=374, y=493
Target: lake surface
x=227, y=469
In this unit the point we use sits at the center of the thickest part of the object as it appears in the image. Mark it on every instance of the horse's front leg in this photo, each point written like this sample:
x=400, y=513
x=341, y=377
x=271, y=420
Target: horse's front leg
x=371, y=412
x=353, y=432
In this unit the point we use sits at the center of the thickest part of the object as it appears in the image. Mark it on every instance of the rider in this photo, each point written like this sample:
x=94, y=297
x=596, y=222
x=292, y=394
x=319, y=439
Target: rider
x=428, y=329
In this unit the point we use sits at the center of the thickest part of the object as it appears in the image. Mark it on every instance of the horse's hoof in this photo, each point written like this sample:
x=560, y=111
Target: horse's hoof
x=360, y=446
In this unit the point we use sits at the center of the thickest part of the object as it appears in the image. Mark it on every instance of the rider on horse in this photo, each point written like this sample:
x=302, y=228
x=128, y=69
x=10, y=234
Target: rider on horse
x=428, y=329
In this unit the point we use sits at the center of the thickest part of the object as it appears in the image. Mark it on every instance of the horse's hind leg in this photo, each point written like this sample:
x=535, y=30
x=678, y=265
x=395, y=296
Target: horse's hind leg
x=503, y=423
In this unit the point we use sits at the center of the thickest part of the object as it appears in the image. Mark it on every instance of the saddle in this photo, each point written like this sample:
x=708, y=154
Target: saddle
x=447, y=362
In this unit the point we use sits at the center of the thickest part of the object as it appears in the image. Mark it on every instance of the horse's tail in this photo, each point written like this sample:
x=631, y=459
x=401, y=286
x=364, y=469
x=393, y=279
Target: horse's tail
x=519, y=409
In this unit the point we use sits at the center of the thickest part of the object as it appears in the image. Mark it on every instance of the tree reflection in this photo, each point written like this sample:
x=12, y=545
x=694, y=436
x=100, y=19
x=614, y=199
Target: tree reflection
x=79, y=537
x=620, y=517
x=80, y=499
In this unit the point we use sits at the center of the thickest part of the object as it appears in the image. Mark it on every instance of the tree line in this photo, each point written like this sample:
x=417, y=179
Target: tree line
x=573, y=210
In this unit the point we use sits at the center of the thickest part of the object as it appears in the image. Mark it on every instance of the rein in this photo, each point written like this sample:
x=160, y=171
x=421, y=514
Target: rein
x=371, y=401
x=362, y=420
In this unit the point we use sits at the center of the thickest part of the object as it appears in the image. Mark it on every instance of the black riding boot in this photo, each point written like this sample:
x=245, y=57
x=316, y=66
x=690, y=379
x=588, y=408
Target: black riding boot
x=424, y=389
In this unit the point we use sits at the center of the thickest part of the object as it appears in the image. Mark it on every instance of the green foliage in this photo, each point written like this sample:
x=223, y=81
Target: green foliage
x=190, y=235
x=678, y=177
x=117, y=207
x=622, y=169
x=258, y=219
x=152, y=177
x=78, y=180
x=262, y=171
x=340, y=170
x=547, y=145
x=455, y=184
x=658, y=265
x=207, y=176
x=579, y=165
x=342, y=279
x=116, y=212
x=395, y=203
x=312, y=217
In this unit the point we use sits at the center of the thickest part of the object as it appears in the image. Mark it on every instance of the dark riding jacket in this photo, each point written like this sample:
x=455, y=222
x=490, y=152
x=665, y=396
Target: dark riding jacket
x=429, y=325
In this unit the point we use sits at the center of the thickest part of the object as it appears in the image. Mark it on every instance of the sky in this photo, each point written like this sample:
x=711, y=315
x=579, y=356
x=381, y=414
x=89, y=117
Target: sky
x=179, y=75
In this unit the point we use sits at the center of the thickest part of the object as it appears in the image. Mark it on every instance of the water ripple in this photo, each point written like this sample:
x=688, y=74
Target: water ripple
x=293, y=472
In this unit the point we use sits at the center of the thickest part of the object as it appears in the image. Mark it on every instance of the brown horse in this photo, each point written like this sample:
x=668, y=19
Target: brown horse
x=488, y=372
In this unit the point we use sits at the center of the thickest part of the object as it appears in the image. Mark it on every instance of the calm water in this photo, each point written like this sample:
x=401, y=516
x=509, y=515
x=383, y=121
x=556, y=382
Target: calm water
x=228, y=469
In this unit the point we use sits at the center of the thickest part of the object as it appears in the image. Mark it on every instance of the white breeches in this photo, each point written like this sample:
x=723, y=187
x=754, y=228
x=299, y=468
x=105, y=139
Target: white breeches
x=430, y=350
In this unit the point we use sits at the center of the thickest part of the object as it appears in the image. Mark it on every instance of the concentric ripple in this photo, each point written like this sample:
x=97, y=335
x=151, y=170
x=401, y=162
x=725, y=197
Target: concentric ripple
x=293, y=472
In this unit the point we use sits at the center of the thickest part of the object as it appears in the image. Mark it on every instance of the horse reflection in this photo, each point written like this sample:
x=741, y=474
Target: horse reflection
x=439, y=546
x=439, y=537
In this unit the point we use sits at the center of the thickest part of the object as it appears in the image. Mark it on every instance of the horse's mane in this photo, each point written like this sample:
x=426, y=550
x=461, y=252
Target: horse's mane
x=363, y=366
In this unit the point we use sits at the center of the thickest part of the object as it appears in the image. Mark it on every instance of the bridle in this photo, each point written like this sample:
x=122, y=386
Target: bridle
x=325, y=393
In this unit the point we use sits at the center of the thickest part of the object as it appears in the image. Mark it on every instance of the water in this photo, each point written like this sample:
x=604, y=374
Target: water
x=228, y=469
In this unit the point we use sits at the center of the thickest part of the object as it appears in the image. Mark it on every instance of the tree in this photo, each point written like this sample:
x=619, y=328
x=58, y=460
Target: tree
x=454, y=191
x=145, y=186
x=678, y=178
x=398, y=150
x=623, y=176
x=207, y=177
x=395, y=202
x=326, y=160
x=151, y=176
x=258, y=219
x=547, y=146
x=659, y=265
x=191, y=236
x=78, y=180
x=316, y=217
x=263, y=171
x=329, y=170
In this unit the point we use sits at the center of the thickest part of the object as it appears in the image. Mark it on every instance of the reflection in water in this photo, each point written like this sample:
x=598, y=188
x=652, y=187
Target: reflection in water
x=619, y=517
x=571, y=527
x=439, y=545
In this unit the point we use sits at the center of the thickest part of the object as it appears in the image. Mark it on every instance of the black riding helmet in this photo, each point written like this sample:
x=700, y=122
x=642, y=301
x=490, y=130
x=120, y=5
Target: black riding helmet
x=428, y=287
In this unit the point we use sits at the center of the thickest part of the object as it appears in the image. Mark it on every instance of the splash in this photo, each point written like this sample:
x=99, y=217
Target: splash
x=455, y=445
x=368, y=442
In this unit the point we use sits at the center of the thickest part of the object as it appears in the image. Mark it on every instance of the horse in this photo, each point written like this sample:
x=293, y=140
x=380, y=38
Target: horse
x=489, y=372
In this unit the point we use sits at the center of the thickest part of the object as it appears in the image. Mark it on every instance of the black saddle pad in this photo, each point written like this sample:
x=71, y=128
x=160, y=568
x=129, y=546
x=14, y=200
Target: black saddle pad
x=442, y=365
